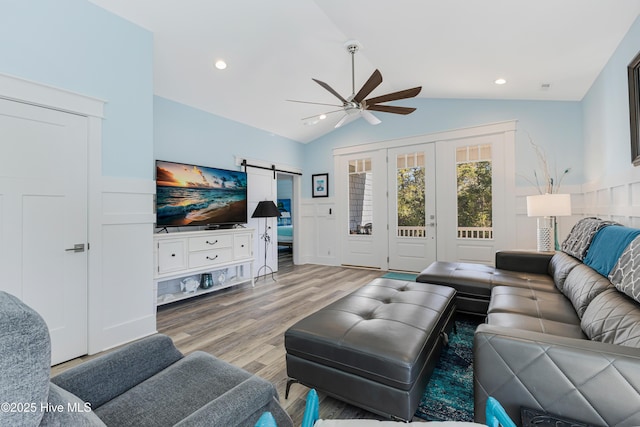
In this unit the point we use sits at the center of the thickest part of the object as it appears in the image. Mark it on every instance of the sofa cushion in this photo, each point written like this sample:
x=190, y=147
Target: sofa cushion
x=579, y=239
x=467, y=278
x=613, y=318
x=560, y=266
x=535, y=324
x=544, y=305
x=582, y=285
x=541, y=282
x=162, y=400
x=625, y=275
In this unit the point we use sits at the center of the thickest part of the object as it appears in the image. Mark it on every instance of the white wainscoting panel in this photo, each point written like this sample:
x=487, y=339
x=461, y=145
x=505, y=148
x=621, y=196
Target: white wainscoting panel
x=318, y=232
x=615, y=197
x=122, y=307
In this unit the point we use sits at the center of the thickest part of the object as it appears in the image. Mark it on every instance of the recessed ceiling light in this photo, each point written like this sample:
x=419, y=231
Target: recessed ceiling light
x=322, y=116
x=500, y=81
x=220, y=64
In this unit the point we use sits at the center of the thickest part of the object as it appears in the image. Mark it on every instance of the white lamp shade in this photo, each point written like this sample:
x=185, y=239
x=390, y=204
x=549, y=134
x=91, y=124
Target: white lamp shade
x=549, y=205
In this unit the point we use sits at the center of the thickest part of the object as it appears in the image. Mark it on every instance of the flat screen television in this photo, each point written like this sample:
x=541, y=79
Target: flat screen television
x=198, y=195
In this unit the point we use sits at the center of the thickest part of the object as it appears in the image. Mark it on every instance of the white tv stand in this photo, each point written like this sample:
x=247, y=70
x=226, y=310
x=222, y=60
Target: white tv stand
x=183, y=254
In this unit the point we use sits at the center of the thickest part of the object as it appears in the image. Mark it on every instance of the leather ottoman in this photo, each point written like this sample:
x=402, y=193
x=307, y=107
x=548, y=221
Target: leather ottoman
x=374, y=348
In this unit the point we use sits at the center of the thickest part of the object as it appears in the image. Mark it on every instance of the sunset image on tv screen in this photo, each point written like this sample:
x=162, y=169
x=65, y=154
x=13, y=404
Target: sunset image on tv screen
x=198, y=195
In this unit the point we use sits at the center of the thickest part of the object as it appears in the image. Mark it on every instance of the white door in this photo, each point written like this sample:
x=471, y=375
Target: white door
x=412, y=211
x=43, y=219
x=363, y=225
x=261, y=185
x=475, y=197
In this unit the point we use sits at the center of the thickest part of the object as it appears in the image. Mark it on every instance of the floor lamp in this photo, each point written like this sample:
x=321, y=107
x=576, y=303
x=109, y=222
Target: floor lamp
x=547, y=207
x=265, y=209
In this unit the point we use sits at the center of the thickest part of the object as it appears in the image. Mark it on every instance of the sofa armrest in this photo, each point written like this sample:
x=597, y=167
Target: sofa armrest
x=240, y=406
x=524, y=261
x=99, y=380
x=579, y=379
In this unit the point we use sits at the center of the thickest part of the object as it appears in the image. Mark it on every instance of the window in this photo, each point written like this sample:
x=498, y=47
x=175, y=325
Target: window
x=360, y=197
x=475, y=217
x=410, y=175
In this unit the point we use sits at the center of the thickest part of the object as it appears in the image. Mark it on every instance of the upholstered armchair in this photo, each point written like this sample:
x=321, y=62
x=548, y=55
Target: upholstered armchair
x=146, y=383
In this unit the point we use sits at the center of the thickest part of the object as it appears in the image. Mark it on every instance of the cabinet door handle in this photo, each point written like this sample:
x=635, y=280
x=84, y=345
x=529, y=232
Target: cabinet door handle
x=211, y=243
x=212, y=259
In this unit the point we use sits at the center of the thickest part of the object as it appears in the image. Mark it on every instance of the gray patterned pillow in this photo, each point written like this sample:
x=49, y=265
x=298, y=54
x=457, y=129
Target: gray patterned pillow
x=612, y=318
x=577, y=242
x=625, y=275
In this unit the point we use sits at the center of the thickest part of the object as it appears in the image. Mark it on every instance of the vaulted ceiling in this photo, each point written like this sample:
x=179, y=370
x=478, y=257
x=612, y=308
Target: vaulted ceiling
x=545, y=49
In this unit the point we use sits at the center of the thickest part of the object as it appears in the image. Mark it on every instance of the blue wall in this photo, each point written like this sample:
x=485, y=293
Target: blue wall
x=554, y=126
x=186, y=134
x=606, y=114
x=77, y=46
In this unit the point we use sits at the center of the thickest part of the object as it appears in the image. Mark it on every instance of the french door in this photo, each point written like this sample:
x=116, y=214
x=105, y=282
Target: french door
x=389, y=220
x=364, y=222
x=412, y=207
x=448, y=196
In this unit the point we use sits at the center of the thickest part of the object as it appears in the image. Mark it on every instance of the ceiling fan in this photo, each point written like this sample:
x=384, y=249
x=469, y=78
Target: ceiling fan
x=356, y=105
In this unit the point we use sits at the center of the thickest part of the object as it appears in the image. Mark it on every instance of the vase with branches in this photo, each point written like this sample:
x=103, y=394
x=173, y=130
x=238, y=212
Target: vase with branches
x=546, y=182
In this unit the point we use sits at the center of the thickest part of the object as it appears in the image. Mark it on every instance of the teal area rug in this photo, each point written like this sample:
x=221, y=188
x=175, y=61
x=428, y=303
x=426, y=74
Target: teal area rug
x=400, y=276
x=449, y=393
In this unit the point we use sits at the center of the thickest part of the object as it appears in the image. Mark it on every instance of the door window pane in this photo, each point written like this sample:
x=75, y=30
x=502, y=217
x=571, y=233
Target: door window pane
x=475, y=217
x=410, y=176
x=360, y=197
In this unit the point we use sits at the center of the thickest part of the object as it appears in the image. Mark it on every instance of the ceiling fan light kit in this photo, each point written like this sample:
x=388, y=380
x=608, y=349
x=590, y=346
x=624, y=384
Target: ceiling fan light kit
x=356, y=104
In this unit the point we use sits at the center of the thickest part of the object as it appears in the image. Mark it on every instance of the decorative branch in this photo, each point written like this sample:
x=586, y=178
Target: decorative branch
x=550, y=184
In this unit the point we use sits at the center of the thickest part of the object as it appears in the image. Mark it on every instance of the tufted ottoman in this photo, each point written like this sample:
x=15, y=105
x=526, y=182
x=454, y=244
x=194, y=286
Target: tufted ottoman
x=374, y=348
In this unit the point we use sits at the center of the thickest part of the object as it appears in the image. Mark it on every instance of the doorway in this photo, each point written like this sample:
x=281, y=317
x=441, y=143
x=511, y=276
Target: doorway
x=406, y=203
x=44, y=219
x=286, y=222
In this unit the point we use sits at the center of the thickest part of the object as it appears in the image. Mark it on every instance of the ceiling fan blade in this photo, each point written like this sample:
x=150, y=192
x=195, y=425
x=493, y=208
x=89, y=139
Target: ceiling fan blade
x=318, y=115
x=314, y=103
x=373, y=120
x=403, y=94
x=391, y=109
x=342, y=121
x=373, y=82
x=330, y=89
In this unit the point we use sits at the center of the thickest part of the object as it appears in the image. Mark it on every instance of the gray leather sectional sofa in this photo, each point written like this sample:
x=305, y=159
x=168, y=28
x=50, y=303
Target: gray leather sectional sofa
x=562, y=331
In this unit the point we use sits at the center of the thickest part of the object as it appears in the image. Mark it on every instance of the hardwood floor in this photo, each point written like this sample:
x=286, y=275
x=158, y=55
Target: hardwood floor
x=245, y=326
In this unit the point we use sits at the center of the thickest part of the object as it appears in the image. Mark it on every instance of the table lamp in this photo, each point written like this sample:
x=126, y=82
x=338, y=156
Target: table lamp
x=547, y=207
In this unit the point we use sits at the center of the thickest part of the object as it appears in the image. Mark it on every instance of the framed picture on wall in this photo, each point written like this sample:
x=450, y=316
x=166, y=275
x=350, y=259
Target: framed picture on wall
x=633, y=71
x=320, y=185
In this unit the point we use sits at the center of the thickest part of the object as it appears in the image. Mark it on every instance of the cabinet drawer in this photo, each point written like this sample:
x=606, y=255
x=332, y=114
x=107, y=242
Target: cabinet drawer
x=212, y=257
x=242, y=246
x=171, y=256
x=206, y=243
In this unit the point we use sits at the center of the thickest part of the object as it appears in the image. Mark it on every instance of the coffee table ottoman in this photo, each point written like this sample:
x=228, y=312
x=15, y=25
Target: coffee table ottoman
x=374, y=348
